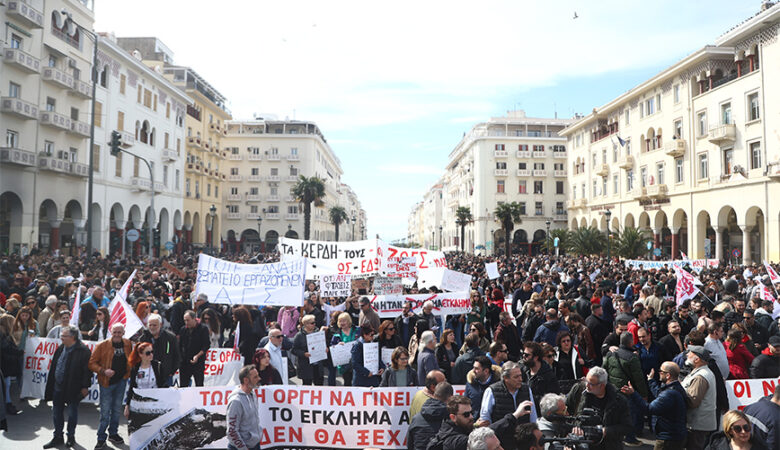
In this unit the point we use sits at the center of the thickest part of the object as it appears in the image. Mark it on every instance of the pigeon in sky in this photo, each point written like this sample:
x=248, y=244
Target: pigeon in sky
x=575, y=15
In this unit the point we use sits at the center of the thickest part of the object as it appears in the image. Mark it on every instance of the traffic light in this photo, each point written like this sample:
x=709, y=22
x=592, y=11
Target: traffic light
x=116, y=142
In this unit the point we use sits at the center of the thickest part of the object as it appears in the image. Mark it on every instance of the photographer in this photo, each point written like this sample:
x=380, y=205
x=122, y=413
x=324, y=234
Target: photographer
x=596, y=393
x=552, y=405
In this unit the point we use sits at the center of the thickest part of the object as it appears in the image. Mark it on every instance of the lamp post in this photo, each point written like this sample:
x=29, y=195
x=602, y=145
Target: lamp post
x=440, y=236
x=90, y=182
x=354, y=221
x=608, y=213
x=260, y=236
x=547, y=223
x=213, y=214
x=433, y=239
x=362, y=232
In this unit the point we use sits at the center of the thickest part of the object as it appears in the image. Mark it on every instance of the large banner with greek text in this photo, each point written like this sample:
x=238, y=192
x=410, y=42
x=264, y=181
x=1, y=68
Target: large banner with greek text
x=696, y=264
x=430, y=263
x=291, y=417
x=222, y=366
x=444, y=304
x=744, y=392
x=356, y=258
x=275, y=284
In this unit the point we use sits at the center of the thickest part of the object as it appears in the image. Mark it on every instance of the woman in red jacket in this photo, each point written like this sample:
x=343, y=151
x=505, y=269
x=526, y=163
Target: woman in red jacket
x=739, y=357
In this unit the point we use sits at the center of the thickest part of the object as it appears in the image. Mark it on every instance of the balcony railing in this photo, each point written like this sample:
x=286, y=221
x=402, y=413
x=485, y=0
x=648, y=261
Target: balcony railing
x=603, y=170
x=292, y=178
x=235, y=156
x=500, y=172
x=234, y=215
x=540, y=173
x=169, y=154
x=81, y=88
x=293, y=157
x=254, y=157
x=55, y=119
x=80, y=128
x=274, y=157
x=523, y=172
x=128, y=139
x=253, y=198
x=291, y=199
x=500, y=153
x=723, y=134
x=234, y=177
x=273, y=178
x=25, y=12
x=254, y=178
x=194, y=141
x=626, y=162
x=234, y=197
x=18, y=156
x=656, y=190
x=214, y=127
x=638, y=193
x=57, y=77
x=143, y=183
x=559, y=155
x=560, y=217
x=22, y=60
x=272, y=198
x=559, y=173
x=523, y=154
x=675, y=148
x=19, y=108
x=539, y=154
x=272, y=216
x=292, y=216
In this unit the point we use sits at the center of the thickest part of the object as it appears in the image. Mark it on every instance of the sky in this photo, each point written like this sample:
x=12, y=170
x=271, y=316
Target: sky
x=394, y=85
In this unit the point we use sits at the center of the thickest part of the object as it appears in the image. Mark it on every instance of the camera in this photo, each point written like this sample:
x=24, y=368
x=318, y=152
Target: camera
x=589, y=422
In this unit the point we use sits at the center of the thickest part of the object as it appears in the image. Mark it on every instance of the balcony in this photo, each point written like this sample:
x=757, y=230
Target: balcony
x=603, y=170
x=80, y=128
x=626, y=162
x=274, y=157
x=292, y=216
x=272, y=216
x=234, y=177
x=194, y=142
x=57, y=77
x=540, y=173
x=292, y=178
x=254, y=178
x=723, y=134
x=251, y=157
x=500, y=172
x=559, y=155
x=272, y=198
x=273, y=178
x=560, y=216
x=55, y=120
x=235, y=157
x=638, y=193
x=675, y=148
x=559, y=173
x=252, y=215
x=500, y=153
x=539, y=154
x=293, y=157
x=81, y=89
x=523, y=154
x=128, y=139
x=143, y=183
x=656, y=190
x=206, y=146
x=169, y=155
x=49, y=162
x=214, y=127
x=22, y=60
x=11, y=155
x=291, y=199
x=253, y=198
x=19, y=108
x=194, y=168
x=577, y=203
x=523, y=172
x=26, y=13
x=234, y=215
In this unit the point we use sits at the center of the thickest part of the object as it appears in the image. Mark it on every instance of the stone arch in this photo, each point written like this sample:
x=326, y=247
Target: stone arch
x=615, y=226
x=603, y=223
x=680, y=232
x=574, y=224
x=72, y=233
x=49, y=221
x=520, y=236
x=98, y=244
x=644, y=221
x=756, y=235
x=11, y=212
x=135, y=219
x=292, y=234
x=583, y=223
x=187, y=219
x=704, y=231
x=177, y=220
x=196, y=229
x=629, y=221
x=594, y=224
x=539, y=236
x=271, y=239
x=164, y=227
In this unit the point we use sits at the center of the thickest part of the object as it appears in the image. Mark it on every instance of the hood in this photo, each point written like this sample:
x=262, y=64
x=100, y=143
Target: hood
x=434, y=410
x=554, y=325
x=496, y=376
x=768, y=353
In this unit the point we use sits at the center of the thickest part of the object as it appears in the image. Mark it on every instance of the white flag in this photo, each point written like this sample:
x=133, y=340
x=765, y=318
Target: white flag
x=686, y=286
x=122, y=313
x=122, y=293
x=773, y=276
x=76, y=313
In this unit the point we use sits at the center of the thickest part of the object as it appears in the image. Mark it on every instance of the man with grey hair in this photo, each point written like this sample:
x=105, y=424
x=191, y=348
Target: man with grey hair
x=433, y=321
x=551, y=405
x=426, y=359
x=68, y=383
x=483, y=439
x=202, y=304
x=43, y=317
x=109, y=362
x=597, y=393
x=166, y=349
x=502, y=398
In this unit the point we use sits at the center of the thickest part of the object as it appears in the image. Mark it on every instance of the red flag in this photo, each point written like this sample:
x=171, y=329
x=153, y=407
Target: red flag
x=686, y=286
x=773, y=276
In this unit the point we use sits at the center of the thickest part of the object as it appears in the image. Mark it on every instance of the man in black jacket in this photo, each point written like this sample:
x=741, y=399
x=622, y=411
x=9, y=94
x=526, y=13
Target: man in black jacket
x=465, y=362
x=425, y=425
x=767, y=364
x=68, y=383
x=193, y=345
x=166, y=349
x=599, y=328
x=598, y=394
x=537, y=373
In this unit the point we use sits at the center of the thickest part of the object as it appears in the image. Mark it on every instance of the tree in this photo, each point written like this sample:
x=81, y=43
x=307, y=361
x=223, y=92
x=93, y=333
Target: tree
x=587, y=241
x=508, y=214
x=563, y=236
x=307, y=191
x=337, y=216
x=462, y=218
x=630, y=243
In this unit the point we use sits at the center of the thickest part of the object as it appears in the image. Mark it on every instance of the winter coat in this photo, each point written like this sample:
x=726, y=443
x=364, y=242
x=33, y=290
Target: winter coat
x=464, y=364
x=103, y=357
x=425, y=425
x=719, y=441
x=77, y=373
x=166, y=351
x=475, y=389
x=616, y=416
x=361, y=375
x=133, y=382
x=444, y=361
x=765, y=365
x=668, y=410
x=739, y=361
x=511, y=338
x=10, y=362
x=389, y=378
x=624, y=366
x=765, y=416
x=426, y=361
x=548, y=332
x=304, y=368
x=543, y=382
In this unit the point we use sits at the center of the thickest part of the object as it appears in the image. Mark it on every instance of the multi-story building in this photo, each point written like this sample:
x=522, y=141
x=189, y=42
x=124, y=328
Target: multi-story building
x=204, y=122
x=355, y=229
x=264, y=161
x=691, y=155
x=45, y=93
x=506, y=159
x=415, y=225
x=432, y=236
x=148, y=111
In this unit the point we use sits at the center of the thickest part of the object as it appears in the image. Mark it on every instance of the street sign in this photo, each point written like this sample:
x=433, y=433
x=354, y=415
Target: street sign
x=649, y=245
x=657, y=252
x=736, y=253
x=555, y=242
x=175, y=239
x=133, y=235
x=169, y=245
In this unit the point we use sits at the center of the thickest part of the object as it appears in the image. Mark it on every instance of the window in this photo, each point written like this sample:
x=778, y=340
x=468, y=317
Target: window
x=118, y=165
x=658, y=101
x=559, y=188
x=293, y=171
x=574, y=191
x=122, y=83
x=165, y=175
x=704, y=166
x=233, y=209
x=701, y=121
x=725, y=114
x=538, y=187
x=500, y=147
x=559, y=209
x=48, y=147
x=120, y=120
x=594, y=159
x=500, y=186
x=274, y=171
x=98, y=114
x=14, y=90
x=500, y=165
x=538, y=166
x=630, y=180
x=523, y=187
x=538, y=148
x=522, y=148
x=659, y=172
x=754, y=112
x=676, y=91
x=254, y=191
x=177, y=179
x=603, y=156
x=522, y=209
x=650, y=106
x=614, y=153
x=678, y=129
x=628, y=146
x=643, y=176
x=140, y=93
x=16, y=41
x=627, y=116
x=96, y=157
x=595, y=188
x=148, y=98
x=216, y=191
x=187, y=187
x=11, y=139
x=273, y=209
x=728, y=161
x=208, y=189
x=604, y=186
x=255, y=171
x=136, y=166
x=539, y=208
x=678, y=170
x=274, y=190
x=294, y=151
x=51, y=104
x=166, y=140
x=155, y=102
x=52, y=61
x=755, y=155
x=167, y=110
x=521, y=166
x=615, y=184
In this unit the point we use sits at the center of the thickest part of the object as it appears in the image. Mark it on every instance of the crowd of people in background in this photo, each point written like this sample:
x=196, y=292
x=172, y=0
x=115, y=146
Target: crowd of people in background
x=561, y=336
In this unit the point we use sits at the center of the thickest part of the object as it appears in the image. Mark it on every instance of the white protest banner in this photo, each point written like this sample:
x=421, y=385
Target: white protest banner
x=455, y=281
x=291, y=417
x=341, y=354
x=426, y=260
x=401, y=267
x=696, y=264
x=371, y=356
x=387, y=356
x=38, y=353
x=744, y=392
x=329, y=258
x=444, y=304
x=275, y=284
x=315, y=343
x=336, y=285
x=388, y=286
x=222, y=366
x=492, y=270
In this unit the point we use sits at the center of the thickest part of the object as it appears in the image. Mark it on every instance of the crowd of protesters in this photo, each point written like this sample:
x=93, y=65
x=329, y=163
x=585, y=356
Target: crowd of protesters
x=582, y=333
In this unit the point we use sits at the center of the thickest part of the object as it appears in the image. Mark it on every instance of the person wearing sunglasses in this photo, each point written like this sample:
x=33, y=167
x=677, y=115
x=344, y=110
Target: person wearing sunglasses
x=737, y=434
x=144, y=372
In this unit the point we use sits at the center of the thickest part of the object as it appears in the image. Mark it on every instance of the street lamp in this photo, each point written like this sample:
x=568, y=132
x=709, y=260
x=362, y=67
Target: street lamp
x=547, y=222
x=440, y=236
x=260, y=236
x=354, y=221
x=608, y=213
x=90, y=219
x=213, y=214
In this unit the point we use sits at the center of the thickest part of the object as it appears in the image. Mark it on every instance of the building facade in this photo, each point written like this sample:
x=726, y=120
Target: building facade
x=691, y=155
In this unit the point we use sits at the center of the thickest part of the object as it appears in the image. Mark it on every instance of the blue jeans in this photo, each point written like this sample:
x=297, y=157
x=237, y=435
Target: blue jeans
x=110, y=407
x=58, y=410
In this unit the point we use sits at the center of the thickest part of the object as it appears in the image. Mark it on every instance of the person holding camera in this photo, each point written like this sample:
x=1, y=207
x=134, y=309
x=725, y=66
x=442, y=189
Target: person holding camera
x=551, y=406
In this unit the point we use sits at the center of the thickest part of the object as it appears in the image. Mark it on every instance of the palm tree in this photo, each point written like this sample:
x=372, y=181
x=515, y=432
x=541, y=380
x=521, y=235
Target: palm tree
x=337, y=215
x=587, y=241
x=630, y=243
x=563, y=236
x=462, y=218
x=508, y=214
x=307, y=191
